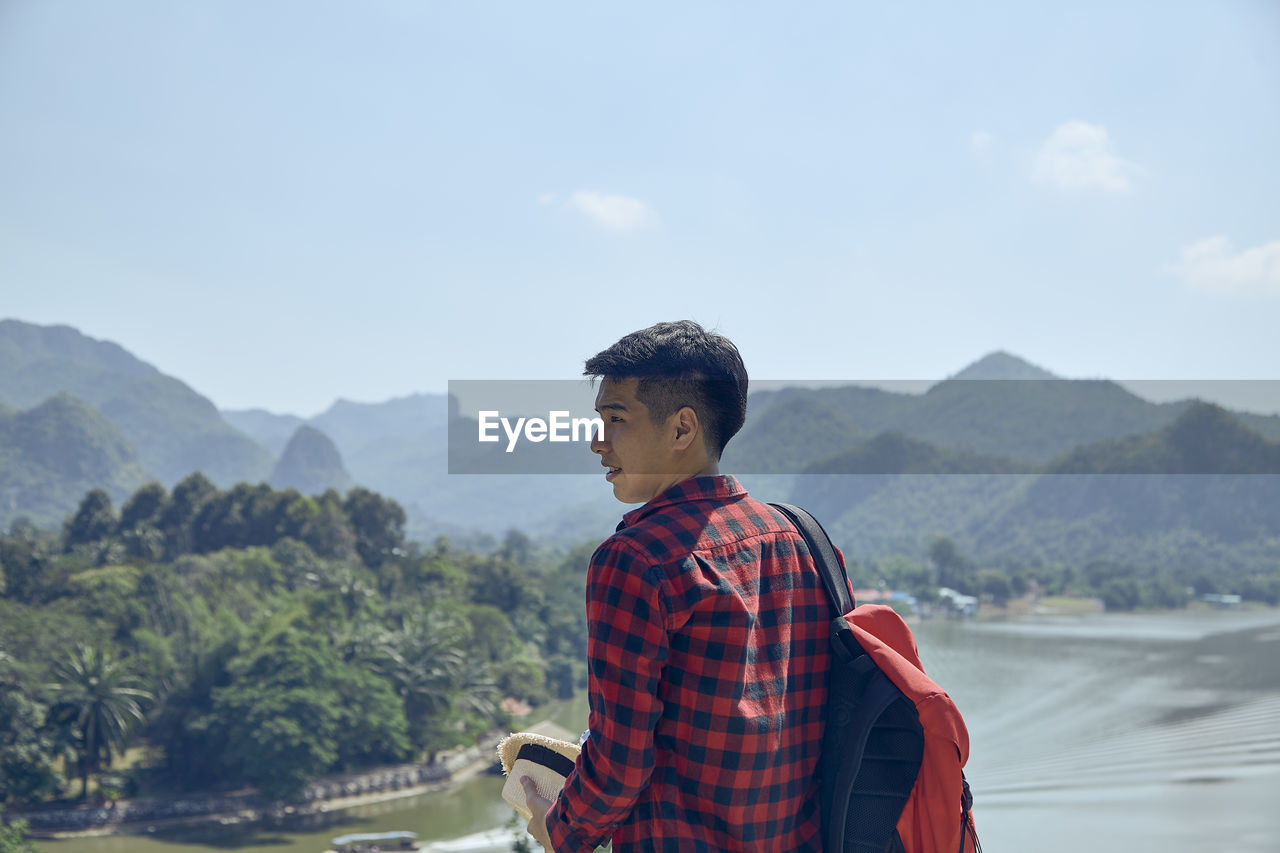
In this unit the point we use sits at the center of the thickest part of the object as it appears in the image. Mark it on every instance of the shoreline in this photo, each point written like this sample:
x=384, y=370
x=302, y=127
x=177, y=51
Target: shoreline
x=462, y=767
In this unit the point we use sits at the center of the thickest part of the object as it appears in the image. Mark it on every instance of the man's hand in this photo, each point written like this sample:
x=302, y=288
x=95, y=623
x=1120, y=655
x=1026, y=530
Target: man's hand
x=539, y=805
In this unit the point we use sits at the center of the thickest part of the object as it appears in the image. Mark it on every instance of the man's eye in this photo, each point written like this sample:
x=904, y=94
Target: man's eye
x=614, y=419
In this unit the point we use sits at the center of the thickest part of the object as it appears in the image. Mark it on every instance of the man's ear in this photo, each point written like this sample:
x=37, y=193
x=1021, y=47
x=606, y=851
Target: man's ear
x=687, y=429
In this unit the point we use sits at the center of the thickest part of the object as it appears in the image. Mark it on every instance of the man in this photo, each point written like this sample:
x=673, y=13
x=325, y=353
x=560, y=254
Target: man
x=707, y=627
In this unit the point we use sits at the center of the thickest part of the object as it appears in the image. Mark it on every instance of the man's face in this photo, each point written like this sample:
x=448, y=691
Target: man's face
x=636, y=451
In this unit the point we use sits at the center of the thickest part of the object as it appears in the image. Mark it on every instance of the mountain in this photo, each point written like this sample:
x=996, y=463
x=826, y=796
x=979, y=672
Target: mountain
x=311, y=464
x=1205, y=439
x=53, y=453
x=270, y=430
x=832, y=486
x=1199, y=494
x=1034, y=420
x=1013, y=463
x=761, y=446
x=173, y=429
x=1002, y=365
x=400, y=448
x=359, y=426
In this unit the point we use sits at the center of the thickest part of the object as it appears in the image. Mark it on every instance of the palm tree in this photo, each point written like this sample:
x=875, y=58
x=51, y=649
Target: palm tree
x=425, y=663
x=96, y=698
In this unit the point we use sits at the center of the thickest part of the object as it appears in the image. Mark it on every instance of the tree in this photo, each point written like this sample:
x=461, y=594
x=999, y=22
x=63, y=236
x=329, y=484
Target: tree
x=995, y=584
x=328, y=532
x=143, y=507
x=138, y=519
x=180, y=511
x=96, y=700
x=94, y=520
x=1121, y=593
x=954, y=569
x=426, y=664
x=378, y=524
x=279, y=717
x=13, y=837
x=27, y=749
x=26, y=554
x=372, y=720
x=294, y=710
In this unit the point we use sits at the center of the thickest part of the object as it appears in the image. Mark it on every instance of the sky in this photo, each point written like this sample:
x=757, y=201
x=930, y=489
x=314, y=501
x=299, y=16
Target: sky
x=286, y=203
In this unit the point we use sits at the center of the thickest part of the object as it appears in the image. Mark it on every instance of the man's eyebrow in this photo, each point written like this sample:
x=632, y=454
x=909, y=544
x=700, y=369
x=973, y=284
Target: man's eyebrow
x=603, y=406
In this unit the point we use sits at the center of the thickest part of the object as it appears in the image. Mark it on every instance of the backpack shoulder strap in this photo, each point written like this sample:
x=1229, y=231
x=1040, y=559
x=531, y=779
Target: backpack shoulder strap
x=830, y=569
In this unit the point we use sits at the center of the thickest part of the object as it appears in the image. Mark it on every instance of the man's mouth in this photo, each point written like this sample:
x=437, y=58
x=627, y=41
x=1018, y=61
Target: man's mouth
x=613, y=471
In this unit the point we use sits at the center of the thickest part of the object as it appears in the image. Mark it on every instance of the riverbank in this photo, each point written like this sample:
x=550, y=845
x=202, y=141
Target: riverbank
x=320, y=798
x=1157, y=730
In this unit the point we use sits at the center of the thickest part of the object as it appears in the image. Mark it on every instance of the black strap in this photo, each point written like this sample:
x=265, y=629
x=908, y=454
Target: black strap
x=547, y=757
x=824, y=556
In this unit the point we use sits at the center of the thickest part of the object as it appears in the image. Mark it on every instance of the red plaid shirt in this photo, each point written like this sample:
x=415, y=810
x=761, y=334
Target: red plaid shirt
x=708, y=651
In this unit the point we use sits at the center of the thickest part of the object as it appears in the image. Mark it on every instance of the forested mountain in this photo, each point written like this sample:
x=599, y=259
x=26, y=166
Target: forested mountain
x=998, y=406
x=310, y=463
x=984, y=457
x=173, y=429
x=400, y=447
x=1199, y=496
x=1003, y=365
x=53, y=453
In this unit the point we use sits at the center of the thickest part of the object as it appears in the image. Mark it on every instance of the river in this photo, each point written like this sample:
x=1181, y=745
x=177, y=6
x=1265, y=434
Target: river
x=1108, y=732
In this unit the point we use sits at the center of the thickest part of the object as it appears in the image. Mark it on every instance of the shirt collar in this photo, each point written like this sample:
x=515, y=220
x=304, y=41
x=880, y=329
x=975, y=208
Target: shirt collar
x=720, y=487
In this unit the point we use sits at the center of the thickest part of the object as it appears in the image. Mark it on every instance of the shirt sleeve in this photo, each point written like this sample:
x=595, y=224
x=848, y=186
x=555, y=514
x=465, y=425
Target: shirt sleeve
x=627, y=648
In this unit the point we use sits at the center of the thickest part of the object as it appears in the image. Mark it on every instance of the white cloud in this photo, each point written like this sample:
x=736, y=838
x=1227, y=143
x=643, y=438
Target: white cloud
x=1213, y=266
x=615, y=212
x=1080, y=156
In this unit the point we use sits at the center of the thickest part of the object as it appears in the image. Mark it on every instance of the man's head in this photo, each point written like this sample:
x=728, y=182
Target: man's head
x=691, y=386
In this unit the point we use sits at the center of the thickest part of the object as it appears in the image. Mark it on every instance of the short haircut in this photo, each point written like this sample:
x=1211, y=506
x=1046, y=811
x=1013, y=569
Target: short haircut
x=681, y=364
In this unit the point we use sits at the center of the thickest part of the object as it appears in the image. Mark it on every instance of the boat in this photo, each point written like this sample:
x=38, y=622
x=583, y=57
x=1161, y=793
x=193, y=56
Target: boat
x=374, y=842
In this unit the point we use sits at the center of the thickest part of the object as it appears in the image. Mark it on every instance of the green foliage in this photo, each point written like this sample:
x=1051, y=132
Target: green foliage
x=50, y=455
x=143, y=507
x=377, y=523
x=28, y=751
x=13, y=836
x=173, y=429
x=954, y=570
x=93, y=521
x=995, y=585
x=294, y=710
x=96, y=703
x=178, y=514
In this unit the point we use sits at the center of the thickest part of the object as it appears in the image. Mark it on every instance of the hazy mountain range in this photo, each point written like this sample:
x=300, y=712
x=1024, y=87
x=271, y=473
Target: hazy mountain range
x=994, y=463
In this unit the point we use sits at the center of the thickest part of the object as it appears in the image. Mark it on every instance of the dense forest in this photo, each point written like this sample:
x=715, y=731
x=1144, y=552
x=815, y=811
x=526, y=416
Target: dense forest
x=258, y=637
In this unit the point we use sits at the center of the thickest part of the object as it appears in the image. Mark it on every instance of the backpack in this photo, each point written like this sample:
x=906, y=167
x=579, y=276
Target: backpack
x=890, y=776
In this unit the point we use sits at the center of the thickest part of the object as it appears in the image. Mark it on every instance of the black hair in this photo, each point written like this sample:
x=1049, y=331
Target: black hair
x=681, y=364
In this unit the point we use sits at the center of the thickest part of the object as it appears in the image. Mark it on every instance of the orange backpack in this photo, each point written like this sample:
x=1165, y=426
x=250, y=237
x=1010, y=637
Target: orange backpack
x=894, y=746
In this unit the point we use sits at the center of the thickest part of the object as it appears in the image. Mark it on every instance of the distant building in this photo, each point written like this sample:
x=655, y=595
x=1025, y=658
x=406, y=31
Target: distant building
x=901, y=601
x=961, y=604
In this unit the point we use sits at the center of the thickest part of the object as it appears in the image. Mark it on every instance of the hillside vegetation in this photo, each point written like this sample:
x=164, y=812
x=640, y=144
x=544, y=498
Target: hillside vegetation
x=173, y=430
x=259, y=637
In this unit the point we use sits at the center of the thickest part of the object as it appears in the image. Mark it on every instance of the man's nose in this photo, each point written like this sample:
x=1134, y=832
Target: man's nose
x=598, y=444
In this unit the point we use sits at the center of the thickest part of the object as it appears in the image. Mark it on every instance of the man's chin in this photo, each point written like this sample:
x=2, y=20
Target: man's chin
x=625, y=495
